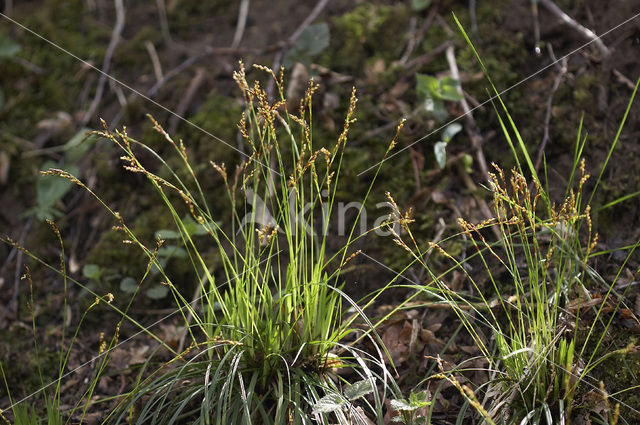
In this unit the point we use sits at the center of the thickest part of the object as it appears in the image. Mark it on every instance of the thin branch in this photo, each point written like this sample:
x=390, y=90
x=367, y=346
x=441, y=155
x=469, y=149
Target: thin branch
x=122, y=100
x=417, y=35
x=242, y=23
x=473, y=16
x=547, y=118
x=624, y=79
x=164, y=23
x=277, y=60
x=536, y=27
x=106, y=63
x=312, y=17
x=472, y=127
x=585, y=32
x=187, y=98
x=153, y=91
x=13, y=302
x=155, y=61
x=605, y=74
x=411, y=42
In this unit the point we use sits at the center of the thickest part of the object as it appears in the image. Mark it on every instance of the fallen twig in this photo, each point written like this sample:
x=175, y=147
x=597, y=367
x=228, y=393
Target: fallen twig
x=28, y=65
x=308, y=20
x=473, y=16
x=209, y=51
x=624, y=79
x=416, y=167
x=186, y=99
x=106, y=63
x=473, y=132
x=536, y=27
x=547, y=118
x=423, y=60
x=411, y=42
x=122, y=100
x=388, y=126
x=242, y=22
x=292, y=39
x=585, y=32
x=416, y=35
x=164, y=23
x=13, y=302
x=471, y=126
x=155, y=61
x=590, y=35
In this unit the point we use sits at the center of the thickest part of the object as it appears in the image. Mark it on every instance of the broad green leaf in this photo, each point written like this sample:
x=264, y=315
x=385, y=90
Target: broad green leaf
x=50, y=189
x=172, y=251
x=167, y=234
x=420, y=398
x=440, y=151
x=92, y=271
x=358, y=389
x=415, y=402
x=79, y=144
x=43, y=213
x=313, y=40
x=448, y=89
x=426, y=86
x=193, y=227
x=128, y=285
x=436, y=109
x=329, y=403
x=160, y=262
x=157, y=292
x=1, y=98
x=419, y=5
x=450, y=131
x=8, y=47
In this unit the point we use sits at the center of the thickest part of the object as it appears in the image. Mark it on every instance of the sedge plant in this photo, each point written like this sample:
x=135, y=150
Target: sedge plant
x=539, y=283
x=266, y=332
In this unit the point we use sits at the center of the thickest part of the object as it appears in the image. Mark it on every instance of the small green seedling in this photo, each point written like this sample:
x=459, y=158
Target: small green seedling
x=408, y=409
x=433, y=92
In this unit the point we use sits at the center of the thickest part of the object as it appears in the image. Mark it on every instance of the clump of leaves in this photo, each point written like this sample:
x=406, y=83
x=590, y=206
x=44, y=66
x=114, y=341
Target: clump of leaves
x=544, y=250
x=433, y=93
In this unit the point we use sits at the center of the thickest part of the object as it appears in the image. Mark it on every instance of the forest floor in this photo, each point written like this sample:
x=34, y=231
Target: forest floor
x=176, y=62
